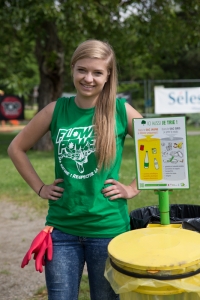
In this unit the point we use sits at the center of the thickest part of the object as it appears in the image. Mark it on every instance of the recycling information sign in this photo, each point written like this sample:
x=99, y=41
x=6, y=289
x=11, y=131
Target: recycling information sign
x=161, y=153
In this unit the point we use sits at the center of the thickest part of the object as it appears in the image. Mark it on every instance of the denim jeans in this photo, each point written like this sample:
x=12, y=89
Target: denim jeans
x=63, y=273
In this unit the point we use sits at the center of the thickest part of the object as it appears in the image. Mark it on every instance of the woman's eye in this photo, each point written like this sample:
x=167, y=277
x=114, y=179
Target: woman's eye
x=98, y=73
x=81, y=70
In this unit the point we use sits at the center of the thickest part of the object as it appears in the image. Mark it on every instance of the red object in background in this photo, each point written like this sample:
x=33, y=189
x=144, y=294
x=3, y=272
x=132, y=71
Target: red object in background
x=11, y=107
x=142, y=147
x=14, y=122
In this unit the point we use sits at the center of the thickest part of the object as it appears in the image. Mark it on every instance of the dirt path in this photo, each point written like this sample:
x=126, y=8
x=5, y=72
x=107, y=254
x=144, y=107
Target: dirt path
x=18, y=227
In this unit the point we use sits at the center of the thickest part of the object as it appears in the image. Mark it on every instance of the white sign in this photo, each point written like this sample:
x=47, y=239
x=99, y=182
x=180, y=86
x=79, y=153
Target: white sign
x=177, y=100
x=161, y=153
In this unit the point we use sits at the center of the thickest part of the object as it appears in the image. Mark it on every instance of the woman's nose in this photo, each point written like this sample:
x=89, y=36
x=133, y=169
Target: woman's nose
x=88, y=77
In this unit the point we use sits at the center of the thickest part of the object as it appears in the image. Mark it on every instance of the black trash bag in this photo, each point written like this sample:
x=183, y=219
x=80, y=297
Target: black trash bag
x=187, y=215
x=192, y=224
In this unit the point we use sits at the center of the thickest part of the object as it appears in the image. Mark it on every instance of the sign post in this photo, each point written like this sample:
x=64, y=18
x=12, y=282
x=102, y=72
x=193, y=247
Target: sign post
x=161, y=158
x=163, y=198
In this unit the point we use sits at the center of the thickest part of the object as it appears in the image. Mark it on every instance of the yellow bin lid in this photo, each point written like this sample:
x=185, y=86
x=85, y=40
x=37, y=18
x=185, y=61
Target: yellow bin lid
x=156, y=248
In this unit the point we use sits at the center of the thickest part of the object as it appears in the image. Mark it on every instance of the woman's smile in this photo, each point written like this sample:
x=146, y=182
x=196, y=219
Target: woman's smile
x=87, y=86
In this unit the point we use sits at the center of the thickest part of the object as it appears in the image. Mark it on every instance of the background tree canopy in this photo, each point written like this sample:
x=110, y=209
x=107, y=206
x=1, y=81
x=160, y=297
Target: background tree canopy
x=154, y=39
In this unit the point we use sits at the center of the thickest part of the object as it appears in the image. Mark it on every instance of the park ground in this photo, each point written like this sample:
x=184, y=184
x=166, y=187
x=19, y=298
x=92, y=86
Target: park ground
x=18, y=226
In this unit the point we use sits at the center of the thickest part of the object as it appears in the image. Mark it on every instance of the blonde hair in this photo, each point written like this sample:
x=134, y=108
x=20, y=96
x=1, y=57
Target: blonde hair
x=104, y=117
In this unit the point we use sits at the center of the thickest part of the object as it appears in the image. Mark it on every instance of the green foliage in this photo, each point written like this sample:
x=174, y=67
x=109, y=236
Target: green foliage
x=18, y=67
x=158, y=38
x=136, y=92
x=193, y=119
x=153, y=40
x=131, y=87
x=28, y=23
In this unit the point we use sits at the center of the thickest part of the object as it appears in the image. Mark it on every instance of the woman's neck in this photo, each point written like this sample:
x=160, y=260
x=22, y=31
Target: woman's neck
x=85, y=102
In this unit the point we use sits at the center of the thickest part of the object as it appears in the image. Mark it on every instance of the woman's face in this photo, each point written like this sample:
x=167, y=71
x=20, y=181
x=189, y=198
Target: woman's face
x=90, y=75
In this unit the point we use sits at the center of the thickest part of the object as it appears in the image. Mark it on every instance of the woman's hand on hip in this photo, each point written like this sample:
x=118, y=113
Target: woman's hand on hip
x=52, y=191
x=118, y=190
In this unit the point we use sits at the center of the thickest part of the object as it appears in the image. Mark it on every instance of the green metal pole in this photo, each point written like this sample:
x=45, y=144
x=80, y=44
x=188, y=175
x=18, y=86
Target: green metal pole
x=164, y=207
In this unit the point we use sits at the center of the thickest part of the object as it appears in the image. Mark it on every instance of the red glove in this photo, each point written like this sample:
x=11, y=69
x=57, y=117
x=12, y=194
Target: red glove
x=40, y=246
x=46, y=249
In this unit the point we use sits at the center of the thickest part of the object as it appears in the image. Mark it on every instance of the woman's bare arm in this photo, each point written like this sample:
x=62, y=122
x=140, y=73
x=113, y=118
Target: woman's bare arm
x=117, y=189
x=25, y=140
x=131, y=114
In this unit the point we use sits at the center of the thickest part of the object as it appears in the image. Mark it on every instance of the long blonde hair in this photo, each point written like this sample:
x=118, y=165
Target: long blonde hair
x=104, y=117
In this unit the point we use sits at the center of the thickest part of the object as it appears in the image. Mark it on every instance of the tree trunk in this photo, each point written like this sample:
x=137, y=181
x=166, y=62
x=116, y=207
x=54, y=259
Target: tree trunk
x=50, y=57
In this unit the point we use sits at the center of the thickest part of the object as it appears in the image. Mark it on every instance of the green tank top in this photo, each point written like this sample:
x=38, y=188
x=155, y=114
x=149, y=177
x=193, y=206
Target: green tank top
x=83, y=210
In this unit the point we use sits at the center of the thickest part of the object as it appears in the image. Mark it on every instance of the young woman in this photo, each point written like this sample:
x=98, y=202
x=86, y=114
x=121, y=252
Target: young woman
x=87, y=203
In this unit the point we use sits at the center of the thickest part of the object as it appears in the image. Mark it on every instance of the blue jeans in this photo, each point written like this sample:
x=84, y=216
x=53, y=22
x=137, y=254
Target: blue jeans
x=63, y=273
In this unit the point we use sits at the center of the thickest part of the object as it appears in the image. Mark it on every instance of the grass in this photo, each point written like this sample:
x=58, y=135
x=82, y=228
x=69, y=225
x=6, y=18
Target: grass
x=193, y=128
x=13, y=188
x=29, y=113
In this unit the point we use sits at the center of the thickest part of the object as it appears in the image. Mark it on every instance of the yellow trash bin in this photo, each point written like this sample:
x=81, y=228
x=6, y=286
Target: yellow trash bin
x=155, y=263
